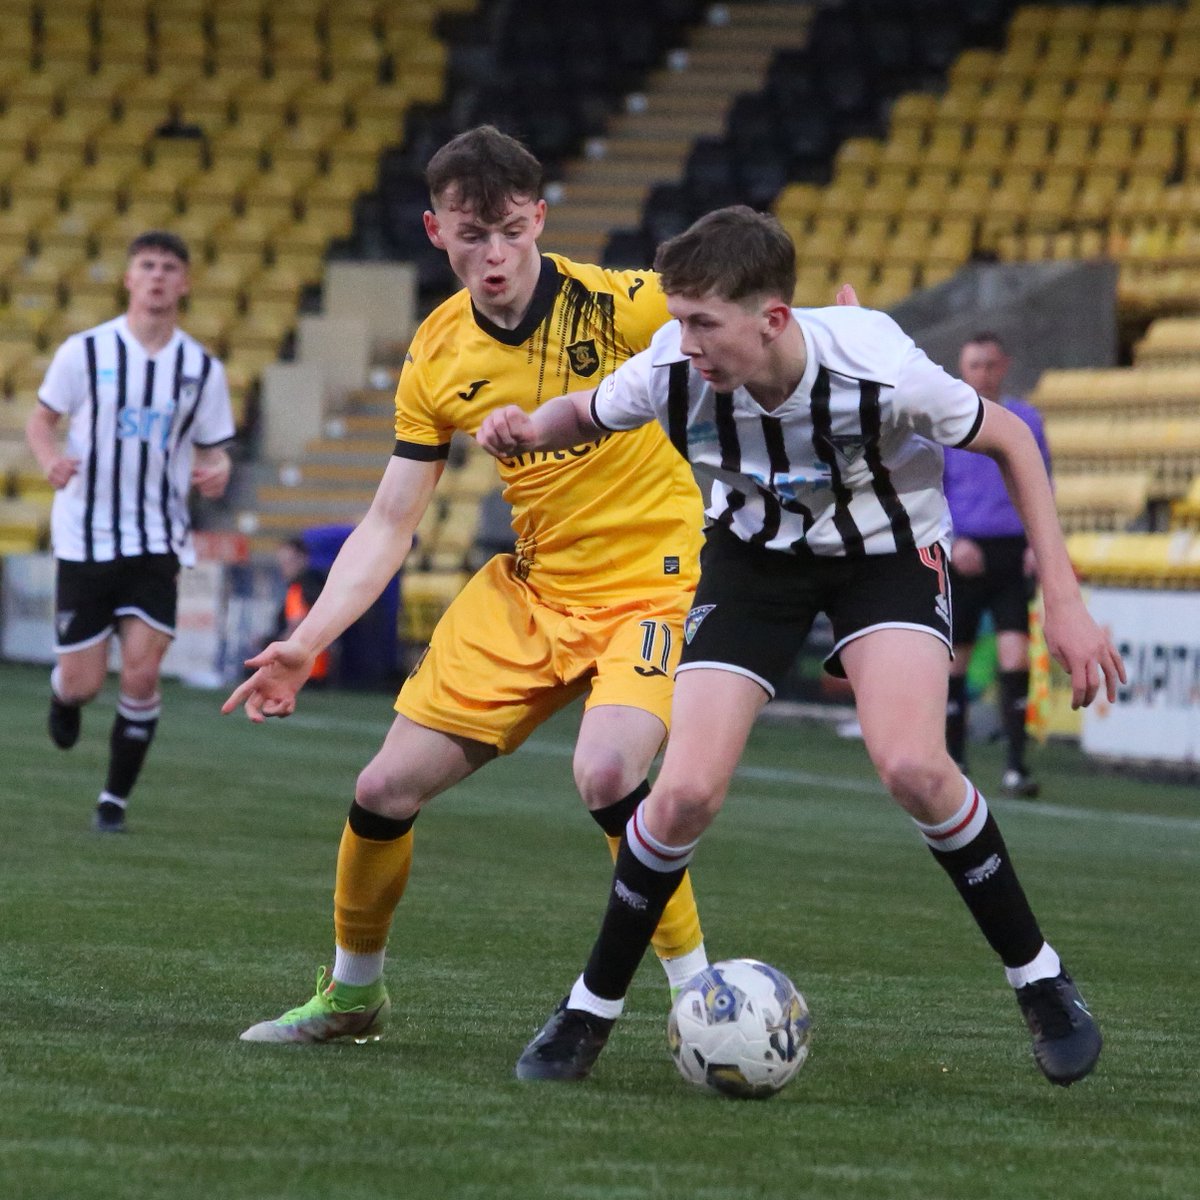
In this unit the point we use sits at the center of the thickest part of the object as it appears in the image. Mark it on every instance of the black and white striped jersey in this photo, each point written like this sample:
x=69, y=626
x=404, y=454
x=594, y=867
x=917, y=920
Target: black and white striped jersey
x=133, y=423
x=849, y=464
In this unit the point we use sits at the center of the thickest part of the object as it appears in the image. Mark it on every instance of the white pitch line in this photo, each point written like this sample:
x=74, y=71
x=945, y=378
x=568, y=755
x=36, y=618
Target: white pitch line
x=809, y=779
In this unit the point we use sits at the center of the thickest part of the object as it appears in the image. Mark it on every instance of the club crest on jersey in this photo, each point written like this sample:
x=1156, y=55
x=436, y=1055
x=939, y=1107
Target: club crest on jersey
x=188, y=388
x=584, y=359
x=691, y=622
x=847, y=445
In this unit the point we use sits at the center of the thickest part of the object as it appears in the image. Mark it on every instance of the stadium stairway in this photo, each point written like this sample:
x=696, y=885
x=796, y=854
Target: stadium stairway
x=685, y=100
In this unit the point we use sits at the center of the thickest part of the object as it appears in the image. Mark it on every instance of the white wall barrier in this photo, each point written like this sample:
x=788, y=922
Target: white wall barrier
x=1157, y=713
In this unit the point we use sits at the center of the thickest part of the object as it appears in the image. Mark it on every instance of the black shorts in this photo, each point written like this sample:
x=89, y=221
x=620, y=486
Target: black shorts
x=90, y=596
x=1003, y=589
x=754, y=607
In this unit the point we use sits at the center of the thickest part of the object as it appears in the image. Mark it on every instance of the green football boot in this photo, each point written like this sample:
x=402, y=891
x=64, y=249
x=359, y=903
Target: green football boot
x=338, y=1010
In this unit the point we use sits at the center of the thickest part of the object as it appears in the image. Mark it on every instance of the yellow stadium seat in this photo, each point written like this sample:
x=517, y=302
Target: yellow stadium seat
x=1111, y=500
x=214, y=283
x=209, y=320
x=1030, y=147
x=237, y=40
x=275, y=94
x=124, y=40
x=24, y=524
x=327, y=97
x=36, y=183
x=19, y=225
x=974, y=69
x=1161, y=19
x=250, y=138
x=295, y=45
x=425, y=597
x=155, y=94
x=393, y=99
x=276, y=193
x=1133, y=558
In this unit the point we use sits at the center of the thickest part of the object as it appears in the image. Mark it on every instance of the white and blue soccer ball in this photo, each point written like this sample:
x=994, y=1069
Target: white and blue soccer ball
x=741, y=1028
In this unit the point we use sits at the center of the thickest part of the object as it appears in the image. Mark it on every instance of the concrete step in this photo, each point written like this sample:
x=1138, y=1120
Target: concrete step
x=582, y=218
x=339, y=474
x=641, y=150
x=278, y=494
x=288, y=524
x=582, y=188
x=580, y=245
x=323, y=513
x=359, y=423
x=686, y=124
x=629, y=172
x=351, y=449
x=707, y=75
x=333, y=453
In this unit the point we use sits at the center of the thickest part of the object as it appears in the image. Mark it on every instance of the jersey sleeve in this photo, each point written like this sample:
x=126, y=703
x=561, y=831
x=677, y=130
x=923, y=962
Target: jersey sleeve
x=933, y=403
x=419, y=433
x=214, y=420
x=640, y=306
x=623, y=399
x=64, y=388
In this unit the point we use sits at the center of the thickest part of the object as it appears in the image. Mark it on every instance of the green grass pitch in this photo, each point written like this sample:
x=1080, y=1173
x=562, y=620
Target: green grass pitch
x=131, y=964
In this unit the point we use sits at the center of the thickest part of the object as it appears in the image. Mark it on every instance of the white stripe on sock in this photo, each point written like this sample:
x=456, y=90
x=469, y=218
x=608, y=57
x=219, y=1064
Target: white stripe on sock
x=649, y=851
x=962, y=828
x=139, y=710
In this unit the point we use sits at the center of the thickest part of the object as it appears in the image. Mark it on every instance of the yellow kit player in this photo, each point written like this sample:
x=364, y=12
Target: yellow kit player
x=592, y=602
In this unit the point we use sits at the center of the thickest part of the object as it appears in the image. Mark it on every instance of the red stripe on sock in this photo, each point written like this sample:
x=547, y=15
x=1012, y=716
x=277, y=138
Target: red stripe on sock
x=654, y=850
x=949, y=833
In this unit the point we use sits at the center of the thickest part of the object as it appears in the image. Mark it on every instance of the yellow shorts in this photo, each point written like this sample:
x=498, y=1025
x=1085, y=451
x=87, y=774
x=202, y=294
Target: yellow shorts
x=501, y=662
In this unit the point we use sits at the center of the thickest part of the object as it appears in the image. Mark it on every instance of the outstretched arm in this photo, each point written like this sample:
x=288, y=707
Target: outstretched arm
x=557, y=425
x=367, y=561
x=1072, y=636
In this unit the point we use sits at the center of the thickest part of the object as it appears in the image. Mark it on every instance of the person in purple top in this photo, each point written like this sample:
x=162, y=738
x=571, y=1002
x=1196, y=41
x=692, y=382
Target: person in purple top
x=992, y=568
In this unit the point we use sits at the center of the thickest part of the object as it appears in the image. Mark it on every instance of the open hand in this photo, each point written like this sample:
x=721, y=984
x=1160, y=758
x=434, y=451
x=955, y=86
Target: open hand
x=283, y=668
x=1085, y=651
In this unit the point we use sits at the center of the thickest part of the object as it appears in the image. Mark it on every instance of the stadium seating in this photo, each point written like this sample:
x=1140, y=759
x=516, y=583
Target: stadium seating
x=1169, y=559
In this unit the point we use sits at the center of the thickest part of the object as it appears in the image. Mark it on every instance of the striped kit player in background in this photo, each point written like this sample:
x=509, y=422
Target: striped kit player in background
x=147, y=412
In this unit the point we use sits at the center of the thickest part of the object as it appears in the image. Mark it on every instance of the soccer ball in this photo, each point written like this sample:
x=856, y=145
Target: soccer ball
x=740, y=1028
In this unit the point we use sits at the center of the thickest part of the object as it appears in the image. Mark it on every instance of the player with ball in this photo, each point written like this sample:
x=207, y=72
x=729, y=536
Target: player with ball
x=822, y=430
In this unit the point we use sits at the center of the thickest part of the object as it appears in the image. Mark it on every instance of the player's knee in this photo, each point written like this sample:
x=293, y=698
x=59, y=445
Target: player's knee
x=603, y=780
x=910, y=775
x=139, y=680
x=381, y=791
x=80, y=688
x=684, y=808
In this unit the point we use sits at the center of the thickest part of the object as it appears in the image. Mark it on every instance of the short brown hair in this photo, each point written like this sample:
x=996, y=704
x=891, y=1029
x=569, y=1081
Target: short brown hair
x=160, y=239
x=985, y=337
x=487, y=169
x=733, y=252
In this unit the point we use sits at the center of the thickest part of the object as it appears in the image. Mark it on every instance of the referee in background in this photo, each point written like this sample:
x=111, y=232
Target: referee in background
x=147, y=413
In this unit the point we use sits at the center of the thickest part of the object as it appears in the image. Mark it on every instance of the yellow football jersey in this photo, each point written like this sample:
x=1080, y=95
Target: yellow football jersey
x=615, y=519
